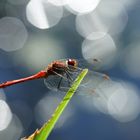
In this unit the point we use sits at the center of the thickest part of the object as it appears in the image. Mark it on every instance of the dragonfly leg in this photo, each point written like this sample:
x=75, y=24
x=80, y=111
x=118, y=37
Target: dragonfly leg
x=61, y=76
x=68, y=75
x=59, y=83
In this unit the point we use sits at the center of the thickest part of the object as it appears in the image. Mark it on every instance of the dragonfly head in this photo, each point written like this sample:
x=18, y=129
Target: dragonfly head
x=72, y=62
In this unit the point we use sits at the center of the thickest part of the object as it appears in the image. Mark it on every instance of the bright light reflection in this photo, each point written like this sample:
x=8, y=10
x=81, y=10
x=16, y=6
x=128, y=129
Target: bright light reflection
x=43, y=14
x=124, y=103
x=91, y=26
x=5, y=115
x=13, y=34
x=82, y=6
x=96, y=89
x=101, y=21
x=58, y=2
x=13, y=131
x=103, y=92
x=103, y=49
x=46, y=106
x=114, y=21
x=118, y=99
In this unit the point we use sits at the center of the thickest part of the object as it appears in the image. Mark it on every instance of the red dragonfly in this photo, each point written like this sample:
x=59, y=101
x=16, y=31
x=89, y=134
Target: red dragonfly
x=60, y=74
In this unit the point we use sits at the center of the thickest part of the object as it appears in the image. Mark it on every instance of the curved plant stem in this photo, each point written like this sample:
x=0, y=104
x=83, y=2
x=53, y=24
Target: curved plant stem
x=44, y=131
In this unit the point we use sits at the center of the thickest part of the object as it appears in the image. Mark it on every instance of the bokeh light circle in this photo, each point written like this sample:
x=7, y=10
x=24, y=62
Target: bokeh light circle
x=101, y=21
x=47, y=105
x=124, y=103
x=13, y=34
x=43, y=14
x=5, y=115
x=91, y=26
x=115, y=21
x=103, y=92
x=13, y=131
x=58, y=2
x=118, y=99
x=103, y=49
x=82, y=6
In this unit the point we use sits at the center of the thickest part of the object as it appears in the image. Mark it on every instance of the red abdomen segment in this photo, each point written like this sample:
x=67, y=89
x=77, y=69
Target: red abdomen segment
x=41, y=74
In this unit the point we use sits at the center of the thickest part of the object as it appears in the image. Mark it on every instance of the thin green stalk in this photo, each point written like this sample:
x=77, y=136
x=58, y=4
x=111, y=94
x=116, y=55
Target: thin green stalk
x=45, y=130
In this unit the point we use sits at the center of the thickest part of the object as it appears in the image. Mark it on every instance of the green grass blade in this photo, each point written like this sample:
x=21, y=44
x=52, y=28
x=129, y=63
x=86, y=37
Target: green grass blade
x=44, y=132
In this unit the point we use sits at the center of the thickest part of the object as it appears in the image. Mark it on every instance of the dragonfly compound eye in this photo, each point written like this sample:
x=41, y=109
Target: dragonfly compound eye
x=72, y=62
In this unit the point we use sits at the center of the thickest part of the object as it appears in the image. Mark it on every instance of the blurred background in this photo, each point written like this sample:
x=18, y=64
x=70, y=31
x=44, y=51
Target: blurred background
x=34, y=33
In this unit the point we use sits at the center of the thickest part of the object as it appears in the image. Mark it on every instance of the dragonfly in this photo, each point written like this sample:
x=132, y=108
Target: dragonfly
x=60, y=74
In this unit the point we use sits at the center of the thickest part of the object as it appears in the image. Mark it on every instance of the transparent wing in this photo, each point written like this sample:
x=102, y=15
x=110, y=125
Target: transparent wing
x=92, y=64
x=91, y=84
x=62, y=82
